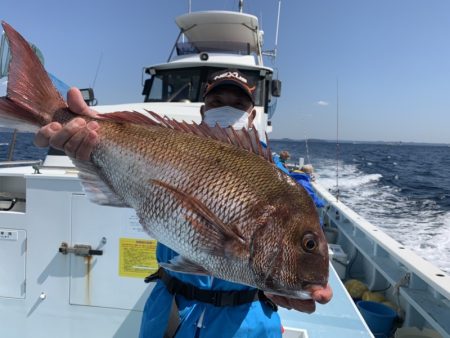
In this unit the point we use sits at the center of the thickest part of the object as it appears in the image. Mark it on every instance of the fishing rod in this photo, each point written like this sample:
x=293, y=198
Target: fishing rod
x=337, y=140
x=97, y=70
x=12, y=145
x=308, y=159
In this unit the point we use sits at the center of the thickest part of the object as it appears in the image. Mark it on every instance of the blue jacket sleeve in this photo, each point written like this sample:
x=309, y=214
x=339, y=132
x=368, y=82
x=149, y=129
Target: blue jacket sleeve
x=300, y=178
x=279, y=164
x=304, y=180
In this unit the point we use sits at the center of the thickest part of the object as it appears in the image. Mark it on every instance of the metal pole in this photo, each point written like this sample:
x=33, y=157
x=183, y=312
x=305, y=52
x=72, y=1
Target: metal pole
x=337, y=139
x=278, y=25
x=12, y=145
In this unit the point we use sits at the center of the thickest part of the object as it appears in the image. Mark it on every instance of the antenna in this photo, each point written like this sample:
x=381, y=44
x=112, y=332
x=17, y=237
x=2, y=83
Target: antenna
x=189, y=11
x=278, y=26
x=337, y=139
x=98, y=68
x=273, y=53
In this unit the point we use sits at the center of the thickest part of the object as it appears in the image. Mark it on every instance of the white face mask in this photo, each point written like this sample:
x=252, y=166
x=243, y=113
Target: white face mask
x=226, y=116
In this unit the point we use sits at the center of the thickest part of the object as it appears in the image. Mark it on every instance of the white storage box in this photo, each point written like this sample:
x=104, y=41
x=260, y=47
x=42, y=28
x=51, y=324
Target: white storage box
x=339, y=259
x=292, y=332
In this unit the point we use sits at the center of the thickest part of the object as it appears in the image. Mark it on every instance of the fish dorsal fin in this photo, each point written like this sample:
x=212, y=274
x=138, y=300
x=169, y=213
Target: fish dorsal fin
x=246, y=139
x=128, y=116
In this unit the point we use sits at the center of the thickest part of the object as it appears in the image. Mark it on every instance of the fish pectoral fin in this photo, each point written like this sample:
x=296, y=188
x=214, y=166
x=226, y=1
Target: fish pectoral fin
x=95, y=188
x=223, y=240
x=184, y=265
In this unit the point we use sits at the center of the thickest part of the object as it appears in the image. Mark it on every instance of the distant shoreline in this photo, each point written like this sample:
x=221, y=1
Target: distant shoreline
x=394, y=143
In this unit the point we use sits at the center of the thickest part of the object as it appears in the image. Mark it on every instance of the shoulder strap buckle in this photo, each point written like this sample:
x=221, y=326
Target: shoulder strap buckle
x=154, y=276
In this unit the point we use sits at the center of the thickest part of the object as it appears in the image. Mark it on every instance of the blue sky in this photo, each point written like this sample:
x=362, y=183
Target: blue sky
x=391, y=58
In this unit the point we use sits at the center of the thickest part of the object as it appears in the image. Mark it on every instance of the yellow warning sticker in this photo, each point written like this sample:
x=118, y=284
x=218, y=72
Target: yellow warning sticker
x=137, y=257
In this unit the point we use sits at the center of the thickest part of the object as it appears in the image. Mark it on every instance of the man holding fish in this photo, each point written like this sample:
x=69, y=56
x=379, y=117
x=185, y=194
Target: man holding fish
x=228, y=101
x=221, y=203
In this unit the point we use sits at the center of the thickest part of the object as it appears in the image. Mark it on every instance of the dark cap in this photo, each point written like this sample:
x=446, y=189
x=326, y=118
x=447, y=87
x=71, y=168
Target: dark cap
x=231, y=77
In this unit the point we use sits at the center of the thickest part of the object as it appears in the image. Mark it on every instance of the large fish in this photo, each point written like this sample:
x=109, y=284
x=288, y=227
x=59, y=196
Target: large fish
x=210, y=194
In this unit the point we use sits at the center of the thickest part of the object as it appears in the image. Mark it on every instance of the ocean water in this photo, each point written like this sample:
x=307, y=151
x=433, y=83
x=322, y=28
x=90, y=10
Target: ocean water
x=24, y=149
x=403, y=189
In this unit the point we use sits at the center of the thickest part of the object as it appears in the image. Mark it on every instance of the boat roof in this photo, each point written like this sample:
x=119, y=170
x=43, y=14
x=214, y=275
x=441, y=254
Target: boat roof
x=219, y=61
x=221, y=27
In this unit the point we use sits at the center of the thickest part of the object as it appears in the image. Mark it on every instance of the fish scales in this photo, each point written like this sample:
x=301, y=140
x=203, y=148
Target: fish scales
x=199, y=163
x=227, y=210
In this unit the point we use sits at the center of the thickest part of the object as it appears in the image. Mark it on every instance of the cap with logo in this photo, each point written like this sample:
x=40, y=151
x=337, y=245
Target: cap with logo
x=231, y=77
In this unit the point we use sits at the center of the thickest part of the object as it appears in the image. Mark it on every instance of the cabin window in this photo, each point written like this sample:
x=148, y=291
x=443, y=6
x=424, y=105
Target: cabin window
x=156, y=89
x=187, y=85
x=197, y=47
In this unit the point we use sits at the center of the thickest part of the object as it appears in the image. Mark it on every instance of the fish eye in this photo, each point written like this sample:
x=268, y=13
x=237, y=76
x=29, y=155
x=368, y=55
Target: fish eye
x=309, y=242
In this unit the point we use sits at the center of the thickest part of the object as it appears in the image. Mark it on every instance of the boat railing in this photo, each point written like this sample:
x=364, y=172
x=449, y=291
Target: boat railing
x=424, y=287
x=9, y=164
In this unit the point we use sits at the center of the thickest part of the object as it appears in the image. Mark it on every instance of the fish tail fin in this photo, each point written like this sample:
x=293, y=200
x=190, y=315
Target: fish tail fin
x=31, y=97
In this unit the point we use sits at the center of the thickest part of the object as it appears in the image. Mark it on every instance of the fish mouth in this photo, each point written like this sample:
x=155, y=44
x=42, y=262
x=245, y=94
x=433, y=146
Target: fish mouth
x=297, y=294
x=305, y=293
x=301, y=294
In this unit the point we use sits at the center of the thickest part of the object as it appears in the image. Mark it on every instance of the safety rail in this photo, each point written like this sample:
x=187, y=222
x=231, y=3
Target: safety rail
x=424, y=287
x=8, y=164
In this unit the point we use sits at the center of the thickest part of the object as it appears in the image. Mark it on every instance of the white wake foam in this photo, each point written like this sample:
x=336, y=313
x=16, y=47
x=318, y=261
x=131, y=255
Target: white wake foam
x=422, y=226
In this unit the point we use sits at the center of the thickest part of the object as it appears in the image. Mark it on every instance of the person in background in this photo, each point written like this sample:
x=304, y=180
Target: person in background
x=284, y=156
x=186, y=305
x=303, y=176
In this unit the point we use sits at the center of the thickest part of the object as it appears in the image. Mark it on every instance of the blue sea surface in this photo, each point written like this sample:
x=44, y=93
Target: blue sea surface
x=24, y=148
x=403, y=189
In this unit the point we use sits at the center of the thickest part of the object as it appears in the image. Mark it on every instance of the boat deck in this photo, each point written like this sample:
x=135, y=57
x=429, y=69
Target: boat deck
x=337, y=319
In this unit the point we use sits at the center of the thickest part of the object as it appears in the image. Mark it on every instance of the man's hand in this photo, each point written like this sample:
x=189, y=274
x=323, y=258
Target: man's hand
x=318, y=294
x=77, y=138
